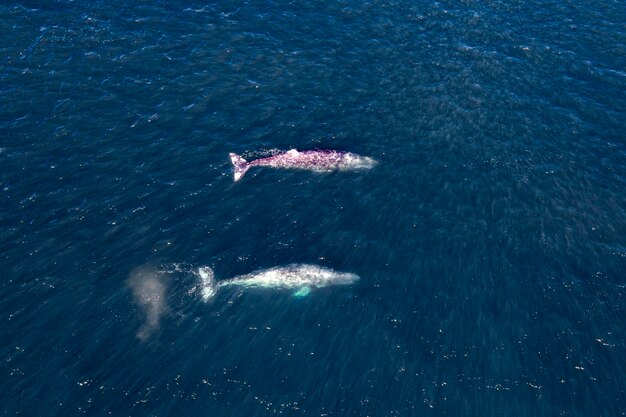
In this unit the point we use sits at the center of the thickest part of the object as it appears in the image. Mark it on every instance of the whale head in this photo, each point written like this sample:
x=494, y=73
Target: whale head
x=319, y=276
x=344, y=278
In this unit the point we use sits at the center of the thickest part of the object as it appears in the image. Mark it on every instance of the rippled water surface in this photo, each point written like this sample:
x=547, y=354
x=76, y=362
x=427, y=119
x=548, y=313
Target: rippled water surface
x=490, y=239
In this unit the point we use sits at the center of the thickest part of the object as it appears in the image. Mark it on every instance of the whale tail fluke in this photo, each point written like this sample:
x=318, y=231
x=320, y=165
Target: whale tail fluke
x=240, y=165
x=209, y=285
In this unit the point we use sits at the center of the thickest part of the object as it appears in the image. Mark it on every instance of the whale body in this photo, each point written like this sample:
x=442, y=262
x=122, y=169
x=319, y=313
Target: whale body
x=320, y=161
x=298, y=277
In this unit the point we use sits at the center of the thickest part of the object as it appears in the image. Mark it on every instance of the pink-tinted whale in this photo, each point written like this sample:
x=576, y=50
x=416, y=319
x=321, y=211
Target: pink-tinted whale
x=319, y=161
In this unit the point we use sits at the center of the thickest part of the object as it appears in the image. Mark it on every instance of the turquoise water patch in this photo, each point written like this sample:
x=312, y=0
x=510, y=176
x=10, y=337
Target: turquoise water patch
x=302, y=292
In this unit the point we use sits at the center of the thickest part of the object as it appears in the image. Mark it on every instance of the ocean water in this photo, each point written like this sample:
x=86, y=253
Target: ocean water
x=490, y=239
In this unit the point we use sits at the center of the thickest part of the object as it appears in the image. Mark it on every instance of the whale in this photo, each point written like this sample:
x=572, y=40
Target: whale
x=299, y=278
x=318, y=161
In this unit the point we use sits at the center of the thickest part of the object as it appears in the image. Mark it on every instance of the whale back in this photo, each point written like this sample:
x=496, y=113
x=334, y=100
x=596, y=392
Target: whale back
x=294, y=276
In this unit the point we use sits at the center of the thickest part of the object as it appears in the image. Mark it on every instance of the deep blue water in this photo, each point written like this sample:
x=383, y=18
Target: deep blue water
x=490, y=239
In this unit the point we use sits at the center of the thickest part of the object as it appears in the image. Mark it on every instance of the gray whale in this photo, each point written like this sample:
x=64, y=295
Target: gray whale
x=298, y=277
x=320, y=161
